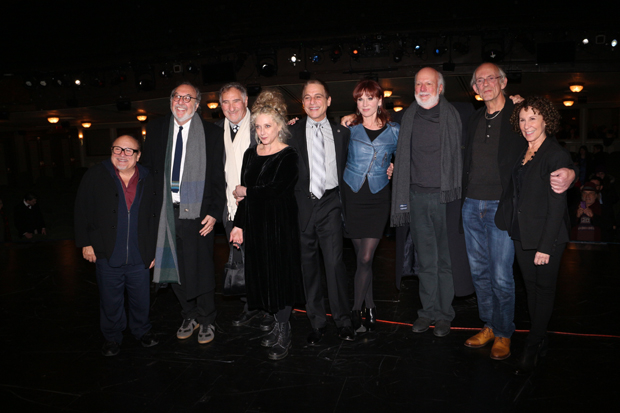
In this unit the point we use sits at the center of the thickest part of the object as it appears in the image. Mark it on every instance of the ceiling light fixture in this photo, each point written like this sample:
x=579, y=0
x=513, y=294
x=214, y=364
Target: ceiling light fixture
x=212, y=105
x=478, y=98
x=575, y=87
x=86, y=125
x=398, y=108
x=53, y=119
x=569, y=102
x=387, y=93
x=142, y=118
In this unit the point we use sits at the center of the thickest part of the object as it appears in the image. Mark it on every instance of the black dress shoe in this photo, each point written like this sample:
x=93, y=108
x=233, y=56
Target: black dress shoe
x=244, y=318
x=346, y=333
x=149, y=340
x=110, y=348
x=316, y=336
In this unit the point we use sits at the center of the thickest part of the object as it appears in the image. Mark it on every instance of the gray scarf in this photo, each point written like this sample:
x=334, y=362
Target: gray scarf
x=192, y=188
x=451, y=160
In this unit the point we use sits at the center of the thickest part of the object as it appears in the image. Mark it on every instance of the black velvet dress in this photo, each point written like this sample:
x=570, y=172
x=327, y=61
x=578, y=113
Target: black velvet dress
x=268, y=216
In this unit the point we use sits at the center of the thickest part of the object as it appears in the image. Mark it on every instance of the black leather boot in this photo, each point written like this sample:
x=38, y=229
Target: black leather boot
x=370, y=318
x=272, y=338
x=280, y=349
x=356, y=319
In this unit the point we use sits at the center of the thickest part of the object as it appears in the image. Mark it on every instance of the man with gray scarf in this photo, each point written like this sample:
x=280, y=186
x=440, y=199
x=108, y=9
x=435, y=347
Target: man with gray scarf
x=427, y=175
x=184, y=153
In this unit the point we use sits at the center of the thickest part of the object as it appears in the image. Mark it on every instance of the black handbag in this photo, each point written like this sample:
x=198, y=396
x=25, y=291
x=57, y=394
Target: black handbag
x=234, y=276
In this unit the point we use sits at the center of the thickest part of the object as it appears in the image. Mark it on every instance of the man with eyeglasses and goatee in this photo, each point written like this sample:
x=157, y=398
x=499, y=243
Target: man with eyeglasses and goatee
x=184, y=153
x=116, y=231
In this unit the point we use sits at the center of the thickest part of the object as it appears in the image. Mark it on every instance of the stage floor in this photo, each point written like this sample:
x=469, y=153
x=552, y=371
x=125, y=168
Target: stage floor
x=51, y=360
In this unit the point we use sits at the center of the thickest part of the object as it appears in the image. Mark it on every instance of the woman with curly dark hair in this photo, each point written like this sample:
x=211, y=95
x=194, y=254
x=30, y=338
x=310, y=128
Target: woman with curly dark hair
x=539, y=223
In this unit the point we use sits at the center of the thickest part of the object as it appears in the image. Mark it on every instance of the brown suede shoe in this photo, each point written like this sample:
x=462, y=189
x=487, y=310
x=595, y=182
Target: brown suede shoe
x=481, y=339
x=501, y=348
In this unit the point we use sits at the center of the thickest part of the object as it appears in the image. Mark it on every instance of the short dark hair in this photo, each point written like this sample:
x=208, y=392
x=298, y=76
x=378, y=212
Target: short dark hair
x=316, y=82
x=541, y=106
x=30, y=196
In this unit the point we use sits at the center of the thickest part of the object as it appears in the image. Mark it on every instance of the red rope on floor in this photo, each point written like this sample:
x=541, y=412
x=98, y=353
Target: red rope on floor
x=478, y=329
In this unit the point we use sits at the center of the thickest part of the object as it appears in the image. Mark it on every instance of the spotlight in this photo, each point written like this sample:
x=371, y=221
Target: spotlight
x=293, y=59
x=585, y=41
x=77, y=82
x=119, y=78
x=29, y=83
x=267, y=63
x=335, y=53
x=440, y=50
x=614, y=43
x=166, y=73
x=192, y=68
x=493, y=52
x=316, y=58
x=43, y=83
x=418, y=49
x=398, y=55
x=355, y=53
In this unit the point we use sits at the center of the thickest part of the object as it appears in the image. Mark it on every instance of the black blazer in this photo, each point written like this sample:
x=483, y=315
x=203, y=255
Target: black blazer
x=511, y=145
x=96, y=216
x=302, y=189
x=154, y=158
x=542, y=214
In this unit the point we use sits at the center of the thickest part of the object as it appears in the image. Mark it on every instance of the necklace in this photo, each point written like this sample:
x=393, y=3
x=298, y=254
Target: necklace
x=494, y=116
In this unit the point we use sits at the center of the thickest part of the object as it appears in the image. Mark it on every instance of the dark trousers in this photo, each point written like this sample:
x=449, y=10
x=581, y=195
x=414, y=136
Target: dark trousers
x=194, y=261
x=540, y=285
x=112, y=284
x=324, y=230
x=429, y=232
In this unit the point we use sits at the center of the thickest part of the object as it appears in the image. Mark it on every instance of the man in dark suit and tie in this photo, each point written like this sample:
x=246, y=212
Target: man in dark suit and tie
x=184, y=153
x=322, y=147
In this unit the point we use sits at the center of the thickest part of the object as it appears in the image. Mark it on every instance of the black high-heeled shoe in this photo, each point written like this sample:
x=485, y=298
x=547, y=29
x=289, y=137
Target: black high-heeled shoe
x=531, y=356
x=370, y=318
x=356, y=319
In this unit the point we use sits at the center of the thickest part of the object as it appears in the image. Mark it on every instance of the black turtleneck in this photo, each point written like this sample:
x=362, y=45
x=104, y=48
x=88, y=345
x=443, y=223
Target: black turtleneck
x=425, y=151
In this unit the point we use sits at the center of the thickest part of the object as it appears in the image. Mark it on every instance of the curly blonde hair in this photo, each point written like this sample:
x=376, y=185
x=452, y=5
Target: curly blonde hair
x=271, y=102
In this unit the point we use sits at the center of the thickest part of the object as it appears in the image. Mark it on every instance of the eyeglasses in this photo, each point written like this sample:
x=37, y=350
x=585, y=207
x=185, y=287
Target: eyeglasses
x=491, y=80
x=186, y=98
x=117, y=150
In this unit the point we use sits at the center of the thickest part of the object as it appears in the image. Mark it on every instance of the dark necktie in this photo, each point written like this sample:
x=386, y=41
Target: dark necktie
x=176, y=166
x=234, y=129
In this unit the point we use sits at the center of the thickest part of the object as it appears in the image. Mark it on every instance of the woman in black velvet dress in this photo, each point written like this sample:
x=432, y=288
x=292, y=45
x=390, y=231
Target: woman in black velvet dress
x=266, y=221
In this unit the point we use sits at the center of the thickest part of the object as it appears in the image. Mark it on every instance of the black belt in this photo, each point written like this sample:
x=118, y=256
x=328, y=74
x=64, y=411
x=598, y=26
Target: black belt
x=327, y=192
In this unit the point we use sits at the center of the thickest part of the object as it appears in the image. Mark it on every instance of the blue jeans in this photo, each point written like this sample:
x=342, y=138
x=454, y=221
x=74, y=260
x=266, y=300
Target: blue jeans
x=491, y=255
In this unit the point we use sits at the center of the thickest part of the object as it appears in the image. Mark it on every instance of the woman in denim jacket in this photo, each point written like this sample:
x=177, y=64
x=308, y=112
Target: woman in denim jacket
x=366, y=191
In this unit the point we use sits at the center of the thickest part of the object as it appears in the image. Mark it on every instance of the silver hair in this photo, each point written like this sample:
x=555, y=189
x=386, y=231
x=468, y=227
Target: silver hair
x=502, y=74
x=236, y=85
x=198, y=94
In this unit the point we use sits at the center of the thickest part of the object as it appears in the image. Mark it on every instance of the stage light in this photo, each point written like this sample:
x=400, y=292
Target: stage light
x=398, y=55
x=418, y=50
x=86, y=125
x=165, y=73
x=585, y=41
x=387, y=93
x=77, y=82
x=335, y=53
x=192, y=68
x=212, y=105
x=293, y=59
x=569, y=102
x=440, y=50
x=355, y=53
x=614, y=43
x=43, y=83
x=575, y=87
x=53, y=119
x=267, y=62
x=316, y=58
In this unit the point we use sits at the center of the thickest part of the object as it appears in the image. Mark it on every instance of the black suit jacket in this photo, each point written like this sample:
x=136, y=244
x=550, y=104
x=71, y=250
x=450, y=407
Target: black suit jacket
x=154, y=158
x=511, y=145
x=542, y=214
x=302, y=189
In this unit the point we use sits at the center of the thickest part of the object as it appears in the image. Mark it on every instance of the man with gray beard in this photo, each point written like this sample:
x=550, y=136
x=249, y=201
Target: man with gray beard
x=184, y=153
x=427, y=175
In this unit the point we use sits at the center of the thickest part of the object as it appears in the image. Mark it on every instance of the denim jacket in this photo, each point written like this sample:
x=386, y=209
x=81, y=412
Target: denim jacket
x=370, y=159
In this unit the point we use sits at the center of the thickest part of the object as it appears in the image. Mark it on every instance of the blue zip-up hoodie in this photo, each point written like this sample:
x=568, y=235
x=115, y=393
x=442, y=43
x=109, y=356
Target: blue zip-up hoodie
x=126, y=249
x=370, y=160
